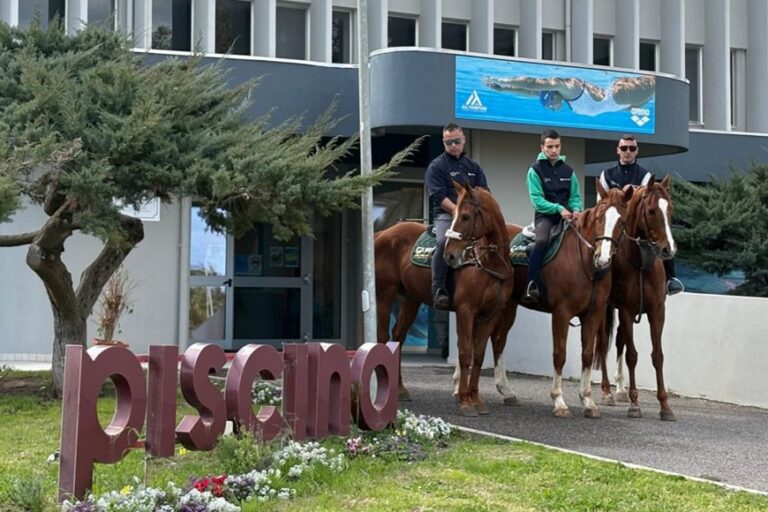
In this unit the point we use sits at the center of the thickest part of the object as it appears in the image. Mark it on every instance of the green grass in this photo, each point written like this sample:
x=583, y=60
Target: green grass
x=471, y=474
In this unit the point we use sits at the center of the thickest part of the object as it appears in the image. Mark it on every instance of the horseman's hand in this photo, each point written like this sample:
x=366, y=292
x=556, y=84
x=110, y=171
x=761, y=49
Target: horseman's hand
x=576, y=215
x=564, y=213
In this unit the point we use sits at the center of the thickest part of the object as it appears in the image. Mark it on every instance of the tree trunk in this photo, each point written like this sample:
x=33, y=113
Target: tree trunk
x=67, y=330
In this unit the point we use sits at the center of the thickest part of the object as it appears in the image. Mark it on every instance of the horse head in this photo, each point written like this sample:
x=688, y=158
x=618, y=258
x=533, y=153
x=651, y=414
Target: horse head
x=605, y=222
x=649, y=218
x=477, y=216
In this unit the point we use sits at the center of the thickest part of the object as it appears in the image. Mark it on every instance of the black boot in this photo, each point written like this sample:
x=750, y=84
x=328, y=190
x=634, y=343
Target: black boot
x=441, y=299
x=531, y=293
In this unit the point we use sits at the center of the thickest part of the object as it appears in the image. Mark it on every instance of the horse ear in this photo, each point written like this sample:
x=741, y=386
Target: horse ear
x=629, y=191
x=665, y=182
x=651, y=181
x=456, y=185
x=599, y=186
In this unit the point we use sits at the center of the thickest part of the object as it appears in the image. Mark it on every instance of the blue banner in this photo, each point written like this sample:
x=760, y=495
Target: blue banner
x=551, y=96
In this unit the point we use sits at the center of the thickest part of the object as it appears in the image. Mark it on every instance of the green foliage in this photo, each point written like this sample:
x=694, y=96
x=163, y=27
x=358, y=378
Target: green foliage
x=29, y=494
x=238, y=454
x=723, y=226
x=87, y=118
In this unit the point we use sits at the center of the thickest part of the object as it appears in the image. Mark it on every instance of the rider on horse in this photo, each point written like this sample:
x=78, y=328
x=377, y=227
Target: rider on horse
x=453, y=164
x=554, y=193
x=628, y=172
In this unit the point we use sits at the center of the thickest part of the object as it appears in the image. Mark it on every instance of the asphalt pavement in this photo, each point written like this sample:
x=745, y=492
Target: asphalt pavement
x=710, y=440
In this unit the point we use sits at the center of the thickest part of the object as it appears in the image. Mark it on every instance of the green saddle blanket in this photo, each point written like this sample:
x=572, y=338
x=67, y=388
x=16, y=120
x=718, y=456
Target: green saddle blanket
x=519, y=256
x=421, y=254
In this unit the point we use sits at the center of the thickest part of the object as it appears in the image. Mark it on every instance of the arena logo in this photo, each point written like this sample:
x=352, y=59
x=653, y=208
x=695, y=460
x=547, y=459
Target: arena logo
x=322, y=391
x=640, y=116
x=473, y=103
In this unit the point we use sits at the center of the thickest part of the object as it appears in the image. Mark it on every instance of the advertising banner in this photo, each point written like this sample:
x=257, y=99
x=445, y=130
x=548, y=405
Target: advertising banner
x=554, y=96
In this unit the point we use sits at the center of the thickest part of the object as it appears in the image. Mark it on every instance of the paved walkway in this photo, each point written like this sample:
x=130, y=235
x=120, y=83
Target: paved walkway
x=710, y=440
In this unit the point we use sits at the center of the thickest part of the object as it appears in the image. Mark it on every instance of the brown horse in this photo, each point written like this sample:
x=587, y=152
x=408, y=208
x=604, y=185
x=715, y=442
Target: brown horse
x=482, y=286
x=639, y=286
x=576, y=284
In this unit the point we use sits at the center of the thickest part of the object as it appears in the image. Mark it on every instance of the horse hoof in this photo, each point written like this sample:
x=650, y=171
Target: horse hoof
x=563, y=413
x=405, y=396
x=510, y=400
x=634, y=412
x=667, y=416
x=591, y=413
x=622, y=396
x=481, y=408
x=468, y=410
x=608, y=400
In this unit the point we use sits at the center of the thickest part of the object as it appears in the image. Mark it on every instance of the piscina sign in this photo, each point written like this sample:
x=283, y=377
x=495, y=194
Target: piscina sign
x=318, y=399
x=549, y=95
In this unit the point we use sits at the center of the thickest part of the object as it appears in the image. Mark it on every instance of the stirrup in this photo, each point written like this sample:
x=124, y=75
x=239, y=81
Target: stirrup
x=674, y=286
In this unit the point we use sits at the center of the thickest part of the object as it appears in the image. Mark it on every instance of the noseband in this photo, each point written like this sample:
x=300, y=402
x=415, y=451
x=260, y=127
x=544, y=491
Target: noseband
x=472, y=252
x=646, y=243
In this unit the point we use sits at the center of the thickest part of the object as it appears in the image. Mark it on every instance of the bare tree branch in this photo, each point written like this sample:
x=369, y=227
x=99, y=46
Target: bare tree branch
x=17, y=240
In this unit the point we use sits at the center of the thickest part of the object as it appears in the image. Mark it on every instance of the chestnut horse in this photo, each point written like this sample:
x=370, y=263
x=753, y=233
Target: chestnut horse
x=639, y=286
x=577, y=284
x=482, y=285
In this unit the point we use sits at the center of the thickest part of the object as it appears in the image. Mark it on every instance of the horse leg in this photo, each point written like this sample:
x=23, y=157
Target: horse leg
x=656, y=318
x=464, y=322
x=559, y=342
x=602, y=347
x=385, y=297
x=621, y=389
x=481, y=332
x=498, y=342
x=409, y=308
x=625, y=331
x=590, y=325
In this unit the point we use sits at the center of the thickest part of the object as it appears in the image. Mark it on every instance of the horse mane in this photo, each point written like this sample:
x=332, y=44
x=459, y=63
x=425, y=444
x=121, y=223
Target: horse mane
x=499, y=225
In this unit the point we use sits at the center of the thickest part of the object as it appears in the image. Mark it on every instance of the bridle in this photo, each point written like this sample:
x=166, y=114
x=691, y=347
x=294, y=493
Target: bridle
x=645, y=243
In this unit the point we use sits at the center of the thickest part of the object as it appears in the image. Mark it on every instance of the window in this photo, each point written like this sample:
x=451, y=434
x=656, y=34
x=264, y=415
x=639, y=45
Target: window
x=454, y=36
x=601, y=51
x=401, y=31
x=171, y=25
x=738, y=89
x=648, y=56
x=548, y=46
x=693, y=74
x=101, y=12
x=233, y=27
x=341, y=42
x=504, y=41
x=56, y=8
x=291, y=33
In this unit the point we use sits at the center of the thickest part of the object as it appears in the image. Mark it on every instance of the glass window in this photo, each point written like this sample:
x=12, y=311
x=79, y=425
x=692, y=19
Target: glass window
x=547, y=46
x=648, y=56
x=397, y=201
x=207, y=313
x=208, y=250
x=454, y=36
x=738, y=89
x=401, y=31
x=341, y=41
x=56, y=8
x=233, y=27
x=267, y=313
x=291, y=33
x=171, y=25
x=257, y=253
x=504, y=41
x=693, y=74
x=601, y=51
x=326, y=296
x=101, y=12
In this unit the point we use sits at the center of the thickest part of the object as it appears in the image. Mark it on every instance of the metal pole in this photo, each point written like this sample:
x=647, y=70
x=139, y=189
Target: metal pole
x=369, y=278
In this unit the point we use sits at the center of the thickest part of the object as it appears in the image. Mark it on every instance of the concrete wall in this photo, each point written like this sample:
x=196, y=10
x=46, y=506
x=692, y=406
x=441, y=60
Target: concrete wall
x=26, y=320
x=714, y=347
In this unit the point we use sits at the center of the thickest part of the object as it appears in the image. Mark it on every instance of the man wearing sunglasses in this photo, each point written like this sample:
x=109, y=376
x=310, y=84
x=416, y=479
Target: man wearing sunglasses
x=452, y=164
x=628, y=172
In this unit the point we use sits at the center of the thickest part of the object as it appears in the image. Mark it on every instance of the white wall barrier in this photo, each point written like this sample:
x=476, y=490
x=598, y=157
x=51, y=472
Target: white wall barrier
x=715, y=347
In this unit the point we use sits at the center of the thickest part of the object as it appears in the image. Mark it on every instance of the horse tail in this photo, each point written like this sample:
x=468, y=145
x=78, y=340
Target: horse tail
x=603, y=343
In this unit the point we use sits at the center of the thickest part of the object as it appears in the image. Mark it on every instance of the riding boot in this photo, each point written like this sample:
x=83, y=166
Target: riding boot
x=674, y=285
x=534, y=267
x=440, y=298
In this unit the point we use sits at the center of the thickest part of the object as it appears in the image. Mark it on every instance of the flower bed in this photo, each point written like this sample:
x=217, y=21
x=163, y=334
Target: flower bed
x=410, y=440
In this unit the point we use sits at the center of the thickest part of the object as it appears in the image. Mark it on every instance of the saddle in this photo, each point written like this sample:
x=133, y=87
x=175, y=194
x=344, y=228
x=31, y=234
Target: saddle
x=421, y=254
x=521, y=246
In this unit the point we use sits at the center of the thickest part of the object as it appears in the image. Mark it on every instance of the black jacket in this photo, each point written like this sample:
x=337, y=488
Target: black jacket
x=444, y=168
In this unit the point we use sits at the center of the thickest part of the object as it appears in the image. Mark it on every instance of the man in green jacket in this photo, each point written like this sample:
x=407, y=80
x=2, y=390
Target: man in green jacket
x=554, y=192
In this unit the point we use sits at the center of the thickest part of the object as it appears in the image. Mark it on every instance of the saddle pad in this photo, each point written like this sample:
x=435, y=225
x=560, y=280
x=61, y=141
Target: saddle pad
x=518, y=253
x=421, y=254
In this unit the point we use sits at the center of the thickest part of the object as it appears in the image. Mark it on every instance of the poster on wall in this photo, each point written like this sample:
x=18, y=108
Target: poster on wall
x=291, y=257
x=554, y=96
x=276, y=256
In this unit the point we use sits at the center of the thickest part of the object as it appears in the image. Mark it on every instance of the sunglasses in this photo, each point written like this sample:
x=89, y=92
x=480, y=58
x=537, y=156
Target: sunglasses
x=453, y=142
x=631, y=149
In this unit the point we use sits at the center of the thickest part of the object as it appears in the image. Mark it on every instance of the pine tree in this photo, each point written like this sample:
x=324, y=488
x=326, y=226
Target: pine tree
x=85, y=122
x=723, y=226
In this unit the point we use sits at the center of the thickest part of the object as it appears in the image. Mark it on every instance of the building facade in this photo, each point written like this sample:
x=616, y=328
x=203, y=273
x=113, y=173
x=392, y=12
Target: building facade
x=707, y=60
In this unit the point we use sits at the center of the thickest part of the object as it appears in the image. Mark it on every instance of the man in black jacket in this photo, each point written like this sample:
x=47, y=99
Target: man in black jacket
x=628, y=172
x=452, y=164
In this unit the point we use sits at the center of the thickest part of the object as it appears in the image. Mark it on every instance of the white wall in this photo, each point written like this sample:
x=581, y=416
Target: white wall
x=26, y=323
x=714, y=346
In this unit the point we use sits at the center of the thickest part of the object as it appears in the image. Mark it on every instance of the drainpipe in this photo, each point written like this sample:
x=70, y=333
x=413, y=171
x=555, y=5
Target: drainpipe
x=568, y=30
